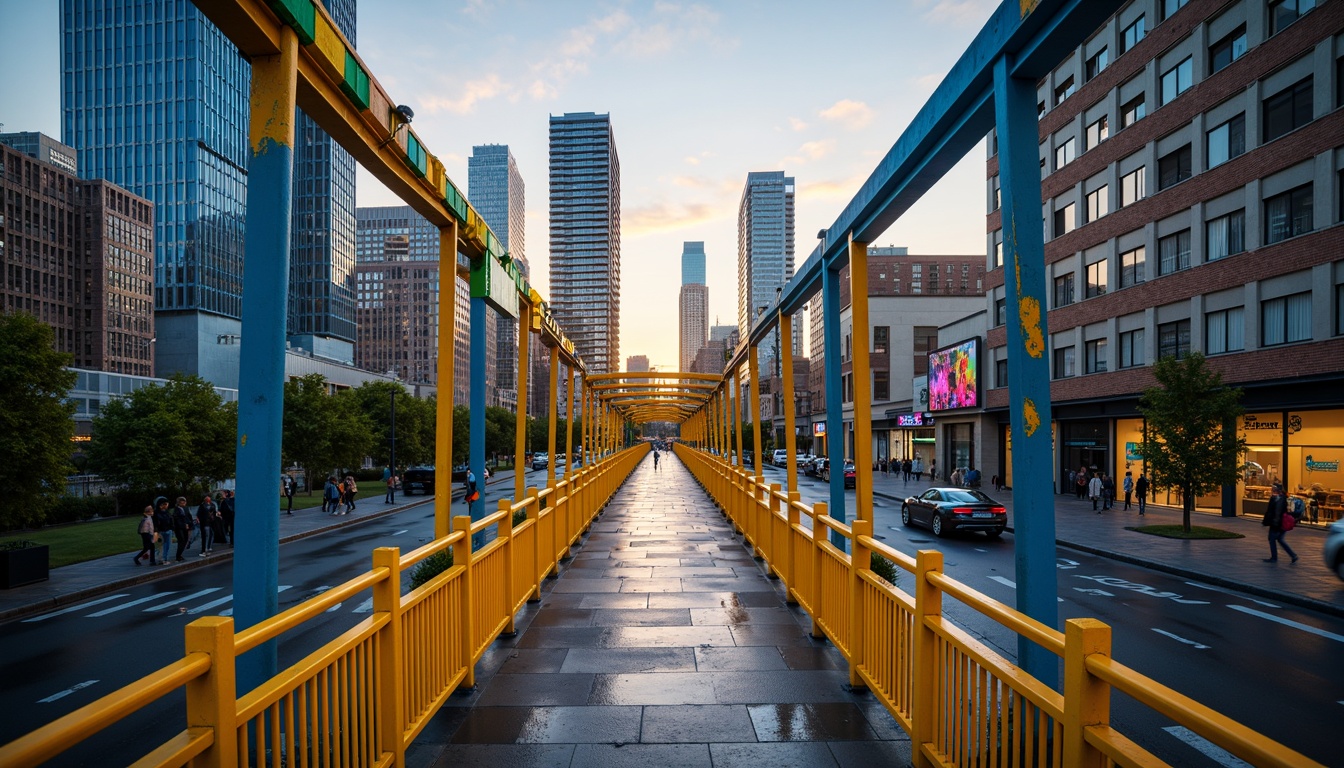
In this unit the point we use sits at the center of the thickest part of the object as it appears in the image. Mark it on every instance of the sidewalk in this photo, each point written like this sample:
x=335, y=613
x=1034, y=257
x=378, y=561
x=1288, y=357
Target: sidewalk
x=74, y=583
x=1232, y=563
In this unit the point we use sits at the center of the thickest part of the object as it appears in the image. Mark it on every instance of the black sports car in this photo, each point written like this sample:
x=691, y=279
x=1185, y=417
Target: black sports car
x=955, y=509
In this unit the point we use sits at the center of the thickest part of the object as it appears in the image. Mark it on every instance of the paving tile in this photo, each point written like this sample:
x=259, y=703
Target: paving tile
x=786, y=687
x=810, y=722
x=642, y=756
x=534, y=660
x=777, y=755
x=564, y=637
x=741, y=615
x=812, y=657
x=868, y=753
x=653, y=688
x=579, y=584
x=758, y=658
x=627, y=572
x=537, y=690
x=666, y=637
x=643, y=617
x=564, y=617
x=495, y=755
x=882, y=723
x=738, y=584
x=782, y=635
x=576, y=725
x=616, y=601
x=614, y=660
x=649, y=585
x=696, y=723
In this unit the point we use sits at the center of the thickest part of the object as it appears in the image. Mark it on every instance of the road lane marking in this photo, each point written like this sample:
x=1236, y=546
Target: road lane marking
x=66, y=692
x=133, y=603
x=365, y=607
x=1233, y=593
x=1119, y=583
x=1289, y=623
x=1013, y=585
x=403, y=530
x=221, y=601
x=79, y=607
x=1207, y=748
x=192, y=596
x=1180, y=639
x=1101, y=592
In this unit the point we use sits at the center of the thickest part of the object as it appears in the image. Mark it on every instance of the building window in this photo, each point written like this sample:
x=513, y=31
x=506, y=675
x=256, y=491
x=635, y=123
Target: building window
x=1094, y=356
x=1064, y=220
x=1173, y=253
x=996, y=195
x=1288, y=109
x=1064, y=153
x=1096, y=64
x=1000, y=312
x=880, y=335
x=1286, y=319
x=1064, y=90
x=1226, y=235
x=1000, y=373
x=998, y=248
x=1096, y=279
x=1227, y=140
x=1339, y=82
x=881, y=385
x=1174, y=168
x=1131, y=349
x=1133, y=186
x=1223, y=331
x=1098, y=204
x=1339, y=309
x=1132, y=111
x=1288, y=215
x=1227, y=50
x=1285, y=12
x=1132, y=34
x=1170, y=7
x=1096, y=133
x=1064, y=364
x=1132, y=267
x=1176, y=81
x=1173, y=339
x=1063, y=290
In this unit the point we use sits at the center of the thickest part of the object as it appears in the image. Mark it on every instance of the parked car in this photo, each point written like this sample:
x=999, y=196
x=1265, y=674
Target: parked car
x=1334, y=547
x=540, y=460
x=418, y=479
x=944, y=510
x=817, y=466
x=851, y=474
x=780, y=457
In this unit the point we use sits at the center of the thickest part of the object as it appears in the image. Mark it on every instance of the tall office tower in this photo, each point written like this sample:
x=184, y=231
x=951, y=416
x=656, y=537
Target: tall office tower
x=398, y=273
x=154, y=98
x=692, y=304
x=637, y=364
x=322, y=255
x=78, y=256
x=495, y=188
x=585, y=197
x=765, y=254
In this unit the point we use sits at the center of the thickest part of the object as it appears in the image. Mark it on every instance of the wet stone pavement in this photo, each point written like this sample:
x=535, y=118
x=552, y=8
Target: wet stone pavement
x=661, y=644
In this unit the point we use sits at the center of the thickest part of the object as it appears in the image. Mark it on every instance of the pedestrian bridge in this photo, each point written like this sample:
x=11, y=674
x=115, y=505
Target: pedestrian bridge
x=688, y=614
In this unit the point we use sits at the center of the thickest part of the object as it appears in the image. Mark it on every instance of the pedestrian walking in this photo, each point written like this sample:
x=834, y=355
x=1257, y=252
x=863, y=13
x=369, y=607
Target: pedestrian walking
x=390, y=480
x=182, y=527
x=1275, y=513
x=655, y=459
x=289, y=494
x=351, y=491
x=206, y=516
x=471, y=495
x=1080, y=483
x=331, y=496
x=227, y=512
x=905, y=470
x=917, y=467
x=147, y=535
x=1107, y=491
x=1141, y=490
x=1128, y=485
x=163, y=526
x=933, y=471
x=1094, y=489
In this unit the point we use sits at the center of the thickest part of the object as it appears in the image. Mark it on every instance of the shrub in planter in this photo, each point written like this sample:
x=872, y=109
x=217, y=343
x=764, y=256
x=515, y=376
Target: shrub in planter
x=23, y=562
x=884, y=568
x=430, y=567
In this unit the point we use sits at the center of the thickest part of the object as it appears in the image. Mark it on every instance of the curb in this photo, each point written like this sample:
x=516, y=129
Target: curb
x=1301, y=601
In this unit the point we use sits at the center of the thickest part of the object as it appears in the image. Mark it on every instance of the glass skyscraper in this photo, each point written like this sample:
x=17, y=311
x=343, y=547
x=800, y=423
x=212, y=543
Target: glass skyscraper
x=693, y=262
x=692, y=304
x=765, y=255
x=585, y=220
x=495, y=188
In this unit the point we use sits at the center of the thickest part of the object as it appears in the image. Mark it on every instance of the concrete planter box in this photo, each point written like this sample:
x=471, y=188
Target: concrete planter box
x=23, y=566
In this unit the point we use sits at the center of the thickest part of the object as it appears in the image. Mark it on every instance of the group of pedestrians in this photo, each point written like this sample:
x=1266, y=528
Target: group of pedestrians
x=338, y=497
x=161, y=526
x=1099, y=488
x=906, y=468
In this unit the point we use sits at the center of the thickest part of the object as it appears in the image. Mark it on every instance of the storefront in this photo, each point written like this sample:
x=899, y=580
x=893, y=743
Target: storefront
x=1301, y=449
x=912, y=438
x=1086, y=446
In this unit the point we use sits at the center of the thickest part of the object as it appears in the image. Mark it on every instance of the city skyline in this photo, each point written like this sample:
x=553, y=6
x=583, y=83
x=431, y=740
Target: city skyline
x=824, y=120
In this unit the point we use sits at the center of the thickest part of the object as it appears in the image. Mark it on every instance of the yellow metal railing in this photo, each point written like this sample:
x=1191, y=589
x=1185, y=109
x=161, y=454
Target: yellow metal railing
x=363, y=697
x=962, y=703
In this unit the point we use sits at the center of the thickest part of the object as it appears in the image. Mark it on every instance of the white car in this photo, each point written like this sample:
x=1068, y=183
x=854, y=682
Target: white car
x=539, y=460
x=780, y=457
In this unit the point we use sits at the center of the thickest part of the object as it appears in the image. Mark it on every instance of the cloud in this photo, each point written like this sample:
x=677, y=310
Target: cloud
x=829, y=189
x=665, y=217
x=849, y=113
x=959, y=12
x=816, y=150
x=475, y=91
x=796, y=124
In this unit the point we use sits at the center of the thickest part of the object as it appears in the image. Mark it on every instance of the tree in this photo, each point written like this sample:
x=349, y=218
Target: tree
x=415, y=422
x=306, y=441
x=180, y=436
x=352, y=431
x=1190, y=441
x=35, y=420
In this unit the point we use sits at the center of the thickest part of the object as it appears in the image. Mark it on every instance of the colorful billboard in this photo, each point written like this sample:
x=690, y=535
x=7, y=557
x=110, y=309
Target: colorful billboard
x=953, y=376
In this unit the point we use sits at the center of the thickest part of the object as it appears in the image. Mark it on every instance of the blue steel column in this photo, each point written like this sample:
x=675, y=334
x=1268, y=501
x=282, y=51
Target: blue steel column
x=835, y=417
x=270, y=170
x=476, y=431
x=1028, y=366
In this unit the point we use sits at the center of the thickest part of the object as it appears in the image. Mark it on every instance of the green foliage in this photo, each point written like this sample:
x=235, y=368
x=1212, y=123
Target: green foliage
x=1191, y=441
x=180, y=436
x=884, y=568
x=461, y=433
x=72, y=509
x=500, y=424
x=10, y=546
x=430, y=567
x=323, y=431
x=519, y=517
x=416, y=419
x=35, y=420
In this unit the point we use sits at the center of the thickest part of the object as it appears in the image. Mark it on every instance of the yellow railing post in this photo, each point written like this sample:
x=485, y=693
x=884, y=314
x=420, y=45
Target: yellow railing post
x=818, y=552
x=790, y=579
x=443, y=426
x=1087, y=700
x=772, y=554
x=211, y=702
x=462, y=556
x=862, y=379
x=510, y=554
x=924, y=696
x=859, y=561
x=537, y=571
x=520, y=383
x=391, y=684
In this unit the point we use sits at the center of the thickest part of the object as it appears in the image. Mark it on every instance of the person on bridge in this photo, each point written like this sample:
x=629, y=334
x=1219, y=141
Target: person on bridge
x=655, y=459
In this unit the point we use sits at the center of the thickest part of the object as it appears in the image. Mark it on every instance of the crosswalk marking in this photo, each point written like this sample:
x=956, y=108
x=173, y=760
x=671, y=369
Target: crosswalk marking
x=229, y=611
x=66, y=692
x=192, y=596
x=131, y=604
x=79, y=607
x=365, y=607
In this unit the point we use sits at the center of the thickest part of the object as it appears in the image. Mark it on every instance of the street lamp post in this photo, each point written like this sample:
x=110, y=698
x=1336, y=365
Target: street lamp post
x=392, y=461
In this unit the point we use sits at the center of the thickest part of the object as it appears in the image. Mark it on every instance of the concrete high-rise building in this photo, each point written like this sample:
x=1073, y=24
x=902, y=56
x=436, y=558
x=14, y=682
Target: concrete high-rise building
x=765, y=254
x=78, y=255
x=585, y=219
x=495, y=188
x=154, y=98
x=637, y=364
x=322, y=254
x=398, y=275
x=692, y=304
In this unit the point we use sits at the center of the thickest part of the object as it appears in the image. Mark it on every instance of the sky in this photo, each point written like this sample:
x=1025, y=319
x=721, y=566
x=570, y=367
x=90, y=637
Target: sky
x=699, y=95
